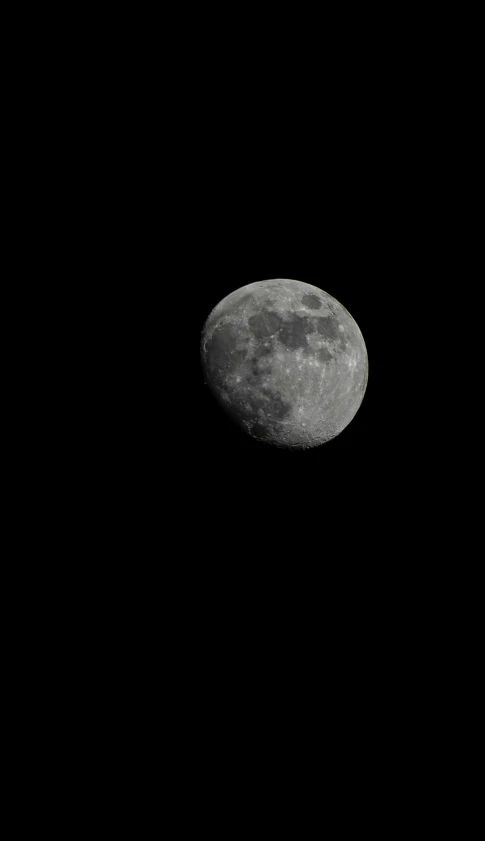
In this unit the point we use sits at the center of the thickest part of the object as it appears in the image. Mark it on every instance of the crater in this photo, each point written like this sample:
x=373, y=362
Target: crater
x=260, y=430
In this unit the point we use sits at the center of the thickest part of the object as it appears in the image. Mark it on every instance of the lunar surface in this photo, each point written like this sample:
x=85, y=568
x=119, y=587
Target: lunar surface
x=286, y=361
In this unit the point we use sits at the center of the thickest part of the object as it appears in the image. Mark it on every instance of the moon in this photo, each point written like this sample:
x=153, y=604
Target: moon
x=286, y=361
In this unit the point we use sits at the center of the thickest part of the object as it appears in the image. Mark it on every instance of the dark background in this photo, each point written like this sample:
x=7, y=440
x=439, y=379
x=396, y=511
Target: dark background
x=209, y=163
x=230, y=589
x=247, y=165
x=210, y=158
x=206, y=167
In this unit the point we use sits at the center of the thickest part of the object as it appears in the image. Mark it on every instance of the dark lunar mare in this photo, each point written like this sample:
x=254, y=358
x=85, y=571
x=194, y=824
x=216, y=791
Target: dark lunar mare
x=327, y=326
x=311, y=301
x=324, y=355
x=264, y=324
x=295, y=331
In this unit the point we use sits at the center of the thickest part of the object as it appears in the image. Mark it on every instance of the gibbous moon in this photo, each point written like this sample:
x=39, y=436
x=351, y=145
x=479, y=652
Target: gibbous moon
x=286, y=361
